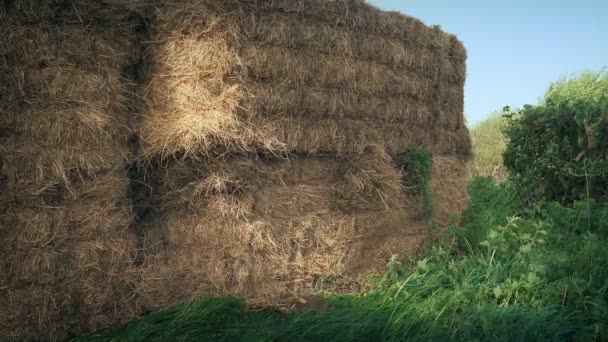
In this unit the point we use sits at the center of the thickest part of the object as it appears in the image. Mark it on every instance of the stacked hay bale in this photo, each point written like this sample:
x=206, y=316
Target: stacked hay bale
x=269, y=229
x=285, y=116
x=301, y=76
x=267, y=144
x=66, y=247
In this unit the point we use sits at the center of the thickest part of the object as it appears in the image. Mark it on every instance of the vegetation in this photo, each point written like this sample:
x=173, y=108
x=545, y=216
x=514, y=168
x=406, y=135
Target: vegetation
x=488, y=146
x=558, y=150
x=416, y=164
x=521, y=265
x=509, y=274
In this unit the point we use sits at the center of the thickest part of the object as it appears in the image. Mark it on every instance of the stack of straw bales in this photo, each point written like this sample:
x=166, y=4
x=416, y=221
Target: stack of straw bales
x=285, y=116
x=267, y=230
x=301, y=76
x=260, y=152
x=66, y=247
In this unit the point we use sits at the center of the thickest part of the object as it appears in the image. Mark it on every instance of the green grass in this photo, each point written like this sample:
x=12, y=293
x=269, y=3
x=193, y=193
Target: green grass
x=489, y=145
x=416, y=164
x=507, y=273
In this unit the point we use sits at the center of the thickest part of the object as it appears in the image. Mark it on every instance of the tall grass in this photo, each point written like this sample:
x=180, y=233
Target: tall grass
x=488, y=146
x=509, y=273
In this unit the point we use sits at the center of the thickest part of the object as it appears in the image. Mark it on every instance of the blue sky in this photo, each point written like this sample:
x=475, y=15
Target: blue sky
x=516, y=47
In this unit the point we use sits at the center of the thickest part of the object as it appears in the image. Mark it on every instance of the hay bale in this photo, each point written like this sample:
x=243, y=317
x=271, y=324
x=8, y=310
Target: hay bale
x=345, y=136
x=251, y=77
x=228, y=80
x=67, y=260
x=40, y=45
x=97, y=13
x=449, y=187
x=269, y=229
x=64, y=209
x=63, y=98
x=280, y=29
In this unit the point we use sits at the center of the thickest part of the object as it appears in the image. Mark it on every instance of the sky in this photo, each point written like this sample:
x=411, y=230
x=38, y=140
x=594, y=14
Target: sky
x=516, y=48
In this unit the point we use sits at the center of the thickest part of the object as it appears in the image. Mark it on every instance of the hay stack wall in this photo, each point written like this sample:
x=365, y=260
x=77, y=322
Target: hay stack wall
x=301, y=76
x=66, y=247
x=266, y=145
x=285, y=118
x=269, y=230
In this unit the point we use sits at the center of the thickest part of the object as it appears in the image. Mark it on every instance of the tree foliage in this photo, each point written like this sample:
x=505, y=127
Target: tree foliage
x=558, y=150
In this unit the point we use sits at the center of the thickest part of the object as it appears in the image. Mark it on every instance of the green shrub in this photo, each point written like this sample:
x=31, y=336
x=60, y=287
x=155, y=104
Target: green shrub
x=583, y=215
x=558, y=150
x=416, y=164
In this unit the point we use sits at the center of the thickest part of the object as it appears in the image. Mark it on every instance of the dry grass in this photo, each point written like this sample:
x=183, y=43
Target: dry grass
x=279, y=120
x=369, y=179
x=311, y=70
x=259, y=229
x=304, y=35
x=63, y=103
x=340, y=136
x=449, y=188
x=41, y=44
x=67, y=260
x=267, y=230
x=65, y=214
x=488, y=145
x=100, y=13
x=453, y=143
x=283, y=101
x=351, y=15
x=237, y=75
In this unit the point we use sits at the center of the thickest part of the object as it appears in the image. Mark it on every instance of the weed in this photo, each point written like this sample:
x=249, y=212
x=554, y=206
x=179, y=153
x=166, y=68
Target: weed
x=416, y=164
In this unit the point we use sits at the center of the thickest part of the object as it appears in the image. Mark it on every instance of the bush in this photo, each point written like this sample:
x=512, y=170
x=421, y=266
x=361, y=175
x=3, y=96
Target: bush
x=416, y=164
x=558, y=150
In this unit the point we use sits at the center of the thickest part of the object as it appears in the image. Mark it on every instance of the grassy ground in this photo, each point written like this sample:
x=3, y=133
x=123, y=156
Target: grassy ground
x=488, y=144
x=507, y=273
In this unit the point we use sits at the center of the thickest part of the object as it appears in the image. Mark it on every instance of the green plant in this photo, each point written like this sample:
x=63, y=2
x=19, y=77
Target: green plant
x=490, y=205
x=517, y=236
x=558, y=150
x=416, y=164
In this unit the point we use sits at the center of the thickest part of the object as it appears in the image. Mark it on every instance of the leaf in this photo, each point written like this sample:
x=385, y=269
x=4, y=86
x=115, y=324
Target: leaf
x=423, y=265
x=538, y=268
x=497, y=292
x=532, y=277
x=600, y=303
x=492, y=234
x=527, y=248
